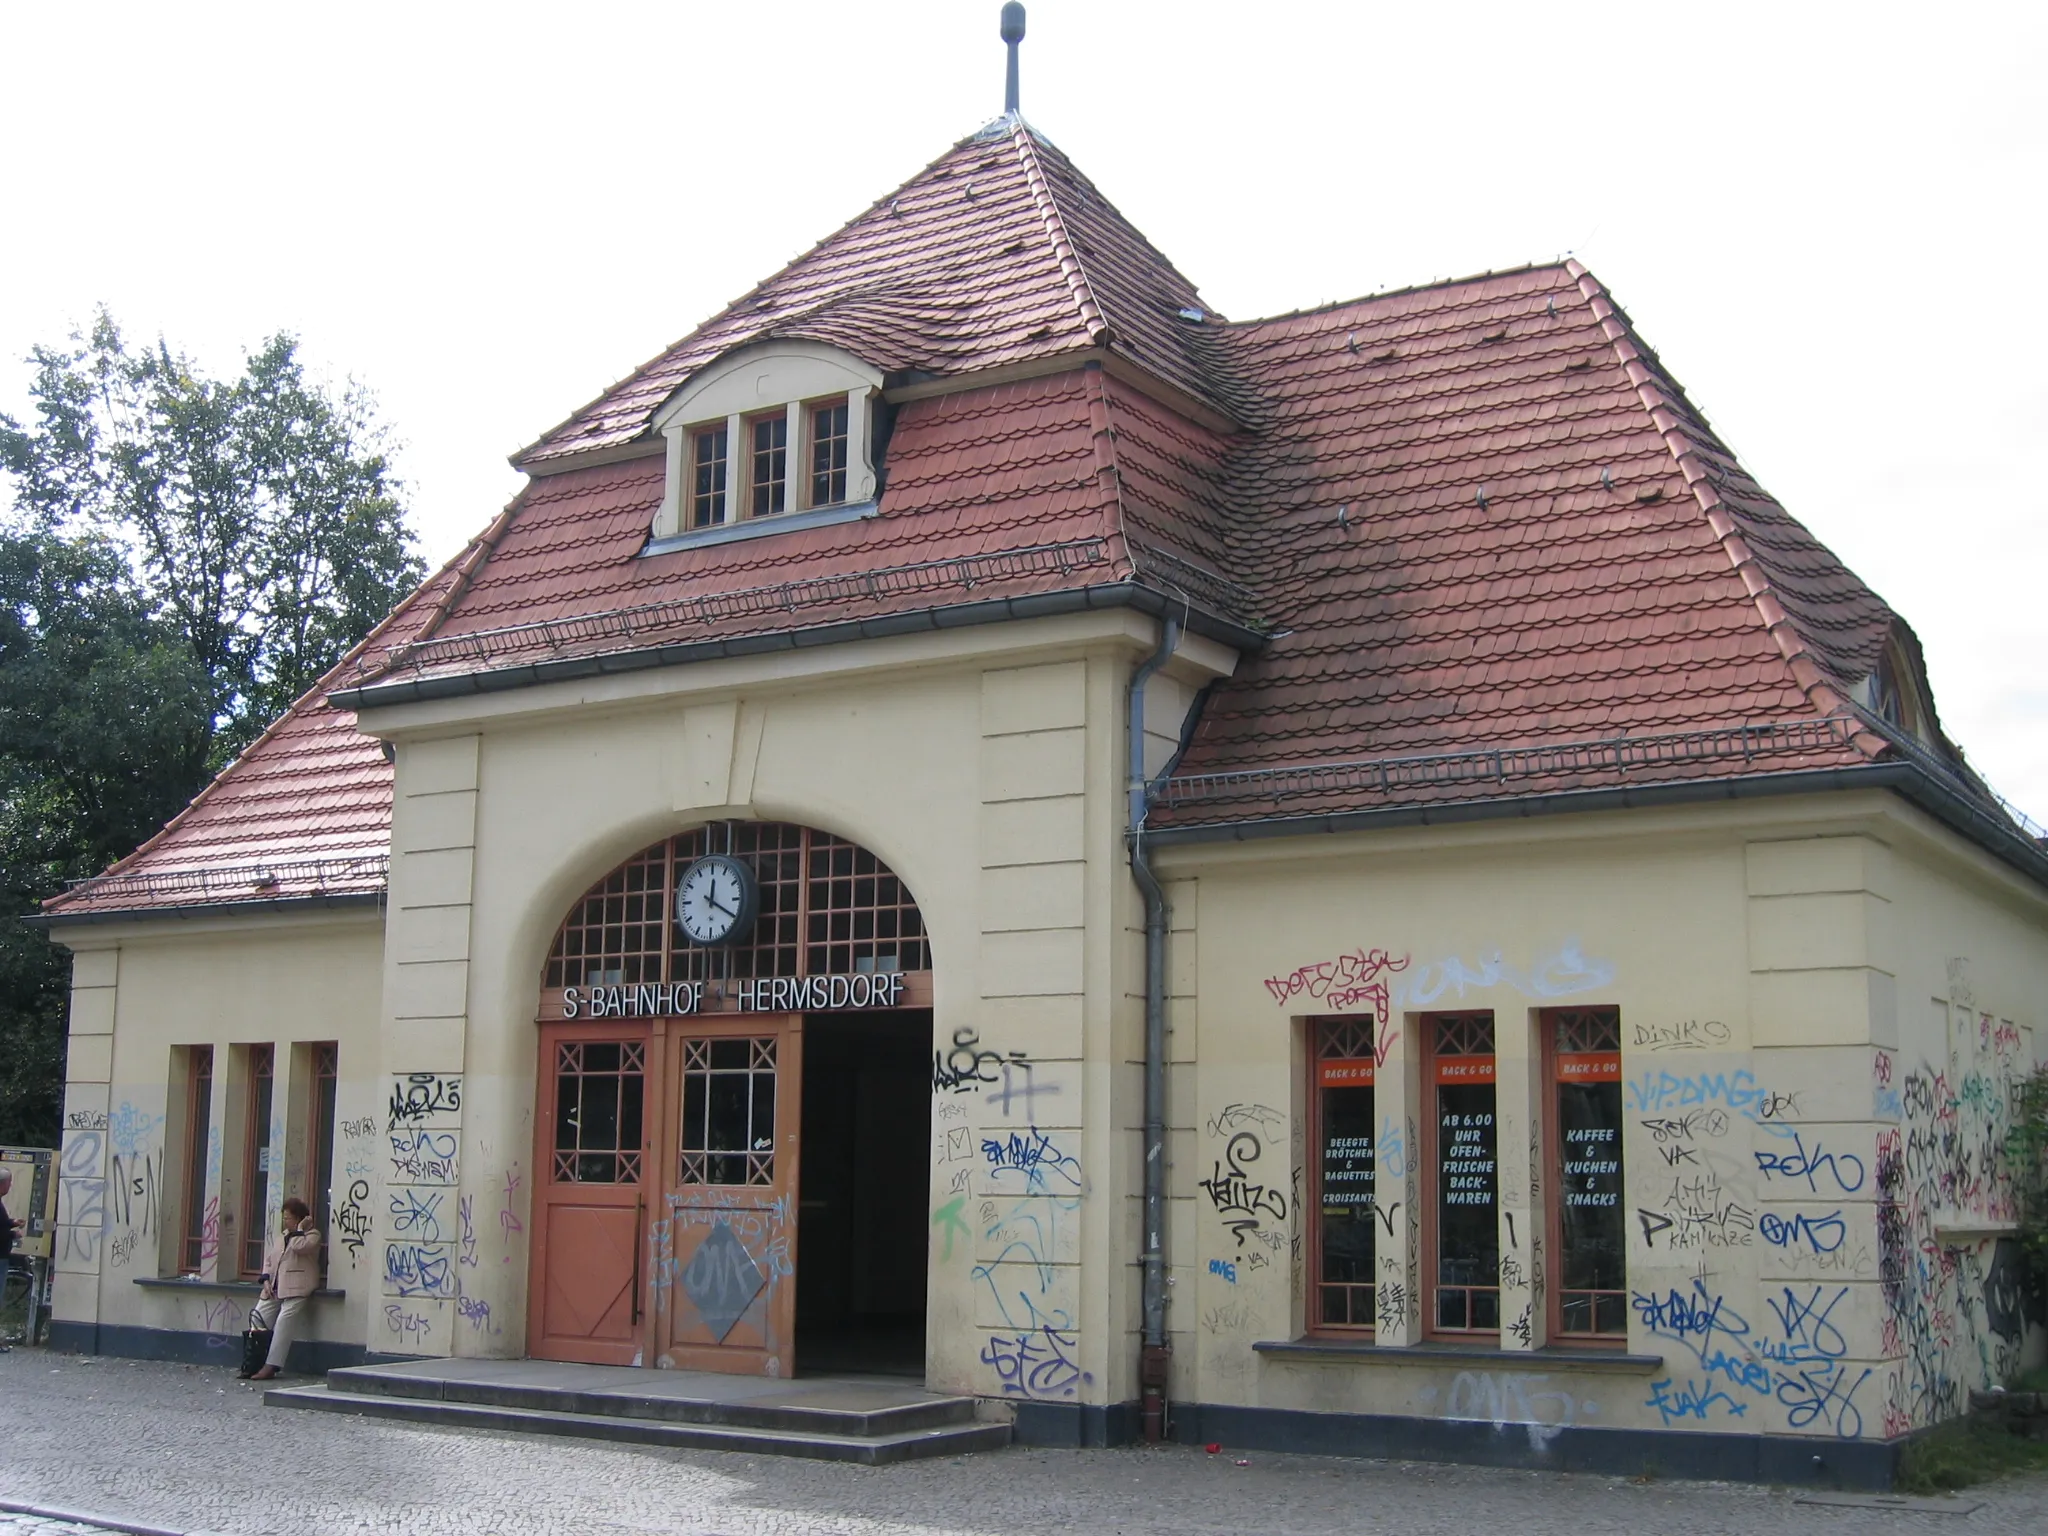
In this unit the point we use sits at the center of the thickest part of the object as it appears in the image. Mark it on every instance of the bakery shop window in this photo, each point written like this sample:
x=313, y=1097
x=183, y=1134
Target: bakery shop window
x=1462, y=1246
x=780, y=430
x=1588, y=1221
x=1345, y=1169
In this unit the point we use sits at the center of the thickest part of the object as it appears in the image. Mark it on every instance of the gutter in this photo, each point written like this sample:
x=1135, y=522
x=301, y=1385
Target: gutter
x=1002, y=610
x=1910, y=781
x=47, y=922
x=1155, y=1356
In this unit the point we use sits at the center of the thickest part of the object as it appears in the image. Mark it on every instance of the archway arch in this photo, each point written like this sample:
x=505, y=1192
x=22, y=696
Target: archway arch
x=680, y=1098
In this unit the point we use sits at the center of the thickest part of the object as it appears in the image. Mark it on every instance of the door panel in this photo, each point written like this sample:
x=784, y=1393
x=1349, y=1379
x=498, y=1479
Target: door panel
x=590, y=1196
x=724, y=1250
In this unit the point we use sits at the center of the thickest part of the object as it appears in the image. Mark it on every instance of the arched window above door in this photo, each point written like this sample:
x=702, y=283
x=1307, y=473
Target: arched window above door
x=828, y=908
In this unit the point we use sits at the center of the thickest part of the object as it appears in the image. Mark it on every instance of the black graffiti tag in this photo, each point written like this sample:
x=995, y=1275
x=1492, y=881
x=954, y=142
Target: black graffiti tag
x=1242, y=1201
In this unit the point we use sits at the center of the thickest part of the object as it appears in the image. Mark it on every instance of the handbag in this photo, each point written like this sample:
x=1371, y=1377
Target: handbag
x=255, y=1345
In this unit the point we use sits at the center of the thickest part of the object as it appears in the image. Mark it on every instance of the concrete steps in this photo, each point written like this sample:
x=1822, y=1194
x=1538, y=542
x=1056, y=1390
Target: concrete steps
x=860, y=1420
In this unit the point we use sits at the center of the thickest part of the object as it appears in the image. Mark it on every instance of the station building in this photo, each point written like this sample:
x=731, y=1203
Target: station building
x=1346, y=881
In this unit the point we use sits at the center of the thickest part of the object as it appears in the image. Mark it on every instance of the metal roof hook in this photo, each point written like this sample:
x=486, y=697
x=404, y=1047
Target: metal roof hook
x=1344, y=515
x=1481, y=498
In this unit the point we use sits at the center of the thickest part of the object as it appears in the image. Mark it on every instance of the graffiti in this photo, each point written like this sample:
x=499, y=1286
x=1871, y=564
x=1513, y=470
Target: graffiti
x=413, y=1327
x=1559, y=974
x=2004, y=1290
x=1814, y=1234
x=417, y=1213
x=130, y=1130
x=948, y=1220
x=1017, y=1086
x=418, y=1269
x=1036, y=1363
x=967, y=1063
x=1224, y=1268
x=1034, y=1156
x=1687, y=1035
x=722, y=1280
x=1232, y=1316
x=1694, y=1318
x=1241, y=1200
x=209, y=1235
x=424, y=1157
x=1031, y=1264
x=1844, y=1170
x=1697, y=1213
x=417, y=1097
x=86, y=1120
x=352, y=1220
x=465, y=1211
x=361, y=1129
x=1247, y=1117
x=1521, y=1328
x=1655, y=1093
x=476, y=1312
x=1392, y=1150
x=1680, y=1400
x=1711, y=1123
x=509, y=1224
x=1507, y=1399
x=1360, y=977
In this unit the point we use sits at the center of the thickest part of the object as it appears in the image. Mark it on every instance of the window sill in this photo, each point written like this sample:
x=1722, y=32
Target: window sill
x=1954, y=1235
x=233, y=1287
x=1490, y=1357
x=761, y=527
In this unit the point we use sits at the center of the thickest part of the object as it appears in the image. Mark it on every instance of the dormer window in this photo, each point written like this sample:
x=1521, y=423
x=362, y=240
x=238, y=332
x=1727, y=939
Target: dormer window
x=775, y=435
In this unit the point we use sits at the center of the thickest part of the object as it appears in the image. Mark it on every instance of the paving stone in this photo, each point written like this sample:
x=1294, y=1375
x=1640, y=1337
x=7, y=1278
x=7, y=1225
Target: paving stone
x=189, y=1448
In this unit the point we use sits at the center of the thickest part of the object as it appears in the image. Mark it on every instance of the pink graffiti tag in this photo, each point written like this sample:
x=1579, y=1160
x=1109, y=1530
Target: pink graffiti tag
x=1343, y=983
x=508, y=1219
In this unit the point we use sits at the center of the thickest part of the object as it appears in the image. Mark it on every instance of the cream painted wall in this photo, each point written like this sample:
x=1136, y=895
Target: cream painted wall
x=138, y=991
x=985, y=768
x=1770, y=961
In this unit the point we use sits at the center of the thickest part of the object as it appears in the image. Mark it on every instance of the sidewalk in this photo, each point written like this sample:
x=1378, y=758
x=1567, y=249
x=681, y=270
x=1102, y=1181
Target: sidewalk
x=192, y=1449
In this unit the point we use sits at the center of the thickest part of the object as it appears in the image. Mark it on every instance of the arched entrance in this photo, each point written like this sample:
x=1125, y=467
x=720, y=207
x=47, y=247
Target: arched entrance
x=709, y=1111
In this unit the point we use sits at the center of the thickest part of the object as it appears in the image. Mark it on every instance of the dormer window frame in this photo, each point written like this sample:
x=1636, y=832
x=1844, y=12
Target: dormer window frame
x=711, y=500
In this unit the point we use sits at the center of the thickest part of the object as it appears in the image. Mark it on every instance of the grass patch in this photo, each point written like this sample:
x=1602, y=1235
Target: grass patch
x=2035, y=1380
x=1961, y=1453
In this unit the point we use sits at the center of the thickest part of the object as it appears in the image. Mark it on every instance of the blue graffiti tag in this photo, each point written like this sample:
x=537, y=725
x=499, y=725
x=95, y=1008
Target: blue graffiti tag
x=1844, y=1170
x=1690, y=1400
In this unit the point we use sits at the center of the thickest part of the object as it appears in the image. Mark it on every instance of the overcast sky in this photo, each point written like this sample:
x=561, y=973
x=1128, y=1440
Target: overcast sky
x=1827, y=218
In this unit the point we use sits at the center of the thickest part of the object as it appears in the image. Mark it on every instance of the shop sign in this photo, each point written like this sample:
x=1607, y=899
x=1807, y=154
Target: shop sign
x=1345, y=1072
x=761, y=994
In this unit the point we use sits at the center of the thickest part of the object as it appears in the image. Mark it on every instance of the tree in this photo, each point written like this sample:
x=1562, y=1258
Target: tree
x=260, y=513
x=180, y=558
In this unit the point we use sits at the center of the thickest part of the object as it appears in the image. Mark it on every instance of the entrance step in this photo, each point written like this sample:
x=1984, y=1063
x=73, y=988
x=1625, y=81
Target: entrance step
x=832, y=1418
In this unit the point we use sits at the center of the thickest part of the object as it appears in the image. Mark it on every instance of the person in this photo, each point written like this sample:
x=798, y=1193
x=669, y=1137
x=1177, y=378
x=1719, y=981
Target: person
x=291, y=1273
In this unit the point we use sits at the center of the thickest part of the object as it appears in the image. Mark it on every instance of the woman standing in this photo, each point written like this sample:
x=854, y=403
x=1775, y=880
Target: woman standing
x=291, y=1273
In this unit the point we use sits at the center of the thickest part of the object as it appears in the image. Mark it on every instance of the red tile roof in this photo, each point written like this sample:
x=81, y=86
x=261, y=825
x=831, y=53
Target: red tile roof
x=1491, y=546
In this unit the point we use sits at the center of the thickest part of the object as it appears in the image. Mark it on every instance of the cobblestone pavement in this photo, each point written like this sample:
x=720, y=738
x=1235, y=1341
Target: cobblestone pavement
x=190, y=1448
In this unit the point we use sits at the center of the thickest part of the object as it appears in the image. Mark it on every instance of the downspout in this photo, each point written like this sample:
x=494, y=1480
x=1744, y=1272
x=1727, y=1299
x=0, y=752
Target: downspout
x=1155, y=1356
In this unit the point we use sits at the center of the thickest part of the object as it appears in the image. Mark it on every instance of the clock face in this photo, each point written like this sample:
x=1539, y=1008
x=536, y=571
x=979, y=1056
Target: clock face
x=716, y=900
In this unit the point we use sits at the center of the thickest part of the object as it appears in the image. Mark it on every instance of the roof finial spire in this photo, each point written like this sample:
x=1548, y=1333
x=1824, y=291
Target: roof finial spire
x=1013, y=34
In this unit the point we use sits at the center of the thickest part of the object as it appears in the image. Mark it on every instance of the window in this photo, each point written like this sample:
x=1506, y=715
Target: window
x=707, y=477
x=828, y=454
x=1588, y=1225
x=259, y=1158
x=1347, y=1221
x=598, y=1103
x=1462, y=1249
x=326, y=1063
x=196, y=1233
x=768, y=476
x=728, y=1111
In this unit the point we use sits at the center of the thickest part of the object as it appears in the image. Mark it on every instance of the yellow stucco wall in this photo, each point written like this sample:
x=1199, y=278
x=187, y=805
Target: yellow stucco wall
x=1784, y=970
x=141, y=990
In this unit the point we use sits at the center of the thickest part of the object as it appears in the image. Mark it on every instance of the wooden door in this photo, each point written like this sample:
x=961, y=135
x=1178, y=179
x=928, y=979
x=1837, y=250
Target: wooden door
x=588, y=1288
x=724, y=1247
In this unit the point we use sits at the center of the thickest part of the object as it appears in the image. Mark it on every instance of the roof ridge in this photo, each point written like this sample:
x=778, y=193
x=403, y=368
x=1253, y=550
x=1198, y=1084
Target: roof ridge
x=1099, y=330
x=1664, y=413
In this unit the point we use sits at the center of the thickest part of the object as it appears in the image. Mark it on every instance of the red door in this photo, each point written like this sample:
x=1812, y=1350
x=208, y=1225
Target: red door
x=590, y=1209
x=723, y=1247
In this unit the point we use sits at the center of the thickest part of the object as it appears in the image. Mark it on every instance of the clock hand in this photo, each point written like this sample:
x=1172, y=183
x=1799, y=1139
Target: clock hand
x=721, y=906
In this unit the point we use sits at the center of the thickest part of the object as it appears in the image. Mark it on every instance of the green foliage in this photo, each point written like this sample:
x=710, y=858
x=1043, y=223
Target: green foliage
x=1963, y=1452
x=259, y=513
x=182, y=557
x=2027, y=1147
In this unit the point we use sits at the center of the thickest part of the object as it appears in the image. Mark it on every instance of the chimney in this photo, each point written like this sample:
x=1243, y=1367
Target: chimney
x=1013, y=34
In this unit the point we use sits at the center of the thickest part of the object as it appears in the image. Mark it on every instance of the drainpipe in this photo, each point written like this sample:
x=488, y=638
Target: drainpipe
x=1155, y=1356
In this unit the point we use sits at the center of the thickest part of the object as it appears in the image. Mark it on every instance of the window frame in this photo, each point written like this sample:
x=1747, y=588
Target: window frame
x=812, y=410
x=717, y=502
x=193, y=1159
x=750, y=425
x=1554, y=1183
x=1432, y=1175
x=323, y=1061
x=259, y=1101
x=1313, y=1319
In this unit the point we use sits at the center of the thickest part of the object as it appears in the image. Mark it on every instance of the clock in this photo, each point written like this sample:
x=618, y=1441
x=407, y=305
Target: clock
x=716, y=901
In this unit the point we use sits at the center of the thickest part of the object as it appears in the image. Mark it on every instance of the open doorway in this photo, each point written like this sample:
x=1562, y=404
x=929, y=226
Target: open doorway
x=867, y=1105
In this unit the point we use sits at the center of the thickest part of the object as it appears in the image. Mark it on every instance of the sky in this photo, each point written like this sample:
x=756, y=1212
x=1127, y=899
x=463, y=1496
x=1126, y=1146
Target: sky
x=1826, y=218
